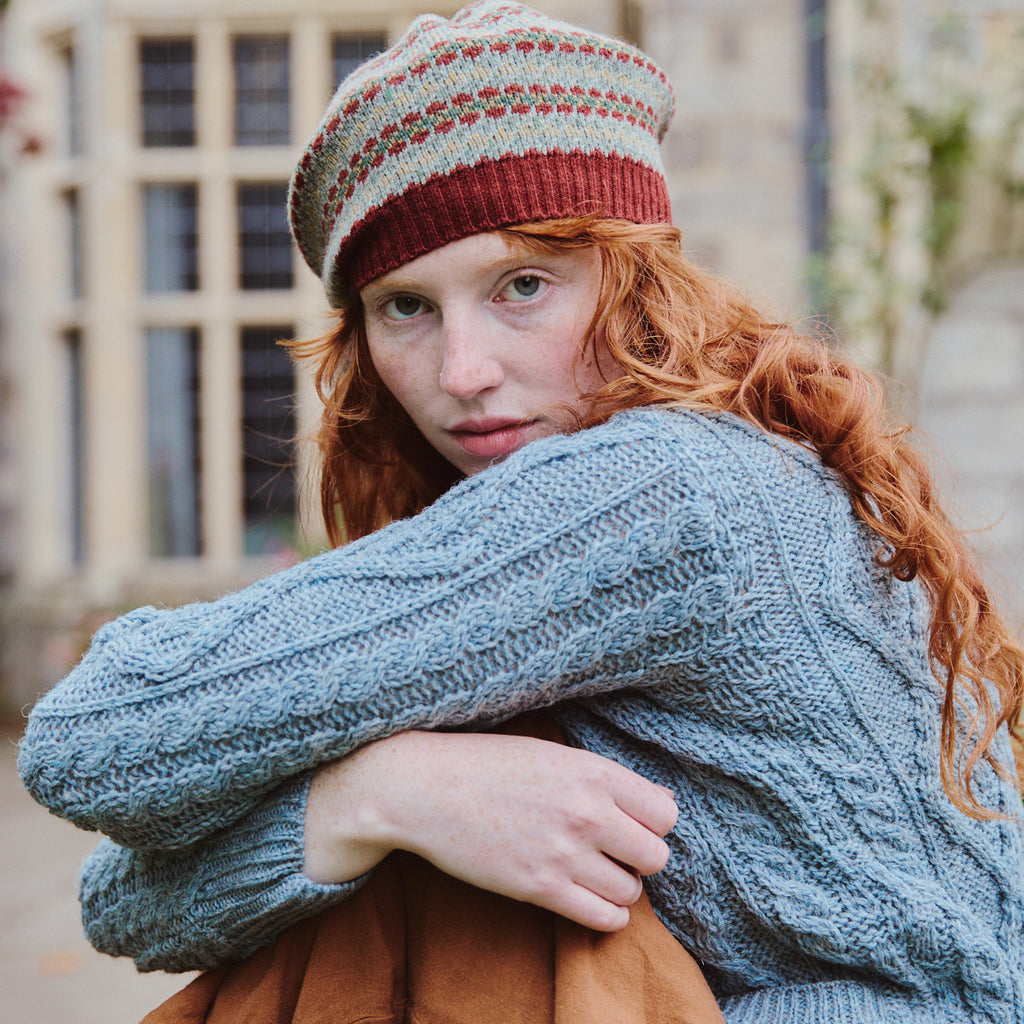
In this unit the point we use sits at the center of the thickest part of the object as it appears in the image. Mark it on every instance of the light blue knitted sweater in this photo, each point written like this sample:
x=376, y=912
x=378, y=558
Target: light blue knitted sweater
x=695, y=599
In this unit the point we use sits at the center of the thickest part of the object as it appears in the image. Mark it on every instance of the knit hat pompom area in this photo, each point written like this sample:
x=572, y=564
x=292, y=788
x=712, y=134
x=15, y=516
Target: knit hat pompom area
x=497, y=116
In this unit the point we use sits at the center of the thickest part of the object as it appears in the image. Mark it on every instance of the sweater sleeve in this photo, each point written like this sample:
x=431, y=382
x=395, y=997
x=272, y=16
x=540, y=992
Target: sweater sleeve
x=563, y=572
x=220, y=899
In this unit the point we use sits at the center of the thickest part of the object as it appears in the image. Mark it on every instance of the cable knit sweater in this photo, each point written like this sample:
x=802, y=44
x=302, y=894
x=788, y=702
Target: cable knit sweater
x=694, y=598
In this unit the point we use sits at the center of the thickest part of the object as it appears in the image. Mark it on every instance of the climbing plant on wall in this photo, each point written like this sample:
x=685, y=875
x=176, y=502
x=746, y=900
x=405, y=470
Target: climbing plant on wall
x=934, y=103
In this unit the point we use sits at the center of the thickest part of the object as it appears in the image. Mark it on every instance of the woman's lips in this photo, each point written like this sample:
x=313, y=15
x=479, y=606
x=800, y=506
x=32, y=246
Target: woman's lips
x=491, y=439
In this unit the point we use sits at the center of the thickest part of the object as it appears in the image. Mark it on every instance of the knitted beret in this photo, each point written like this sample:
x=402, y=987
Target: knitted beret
x=495, y=117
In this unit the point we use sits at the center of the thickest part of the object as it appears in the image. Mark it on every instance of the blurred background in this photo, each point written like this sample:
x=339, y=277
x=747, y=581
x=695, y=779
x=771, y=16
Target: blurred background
x=856, y=162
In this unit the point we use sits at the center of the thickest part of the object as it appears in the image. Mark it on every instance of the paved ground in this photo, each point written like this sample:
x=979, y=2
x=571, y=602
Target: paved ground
x=48, y=972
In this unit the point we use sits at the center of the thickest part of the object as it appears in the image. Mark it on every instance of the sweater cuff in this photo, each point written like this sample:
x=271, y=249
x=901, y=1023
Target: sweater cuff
x=260, y=871
x=220, y=900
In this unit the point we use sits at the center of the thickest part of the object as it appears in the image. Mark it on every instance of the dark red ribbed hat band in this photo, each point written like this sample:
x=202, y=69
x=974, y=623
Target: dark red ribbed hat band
x=496, y=194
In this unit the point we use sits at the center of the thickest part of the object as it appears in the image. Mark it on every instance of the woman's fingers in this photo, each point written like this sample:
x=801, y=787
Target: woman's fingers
x=631, y=830
x=590, y=910
x=531, y=819
x=634, y=846
x=651, y=805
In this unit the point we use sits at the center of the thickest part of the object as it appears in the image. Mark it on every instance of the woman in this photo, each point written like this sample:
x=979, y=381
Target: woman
x=685, y=531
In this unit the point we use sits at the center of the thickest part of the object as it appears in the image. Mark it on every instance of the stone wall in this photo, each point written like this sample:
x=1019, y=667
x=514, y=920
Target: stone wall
x=735, y=150
x=972, y=416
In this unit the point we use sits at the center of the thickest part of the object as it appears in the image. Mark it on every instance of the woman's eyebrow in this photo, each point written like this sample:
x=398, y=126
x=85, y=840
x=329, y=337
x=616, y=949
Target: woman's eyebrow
x=400, y=281
x=386, y=284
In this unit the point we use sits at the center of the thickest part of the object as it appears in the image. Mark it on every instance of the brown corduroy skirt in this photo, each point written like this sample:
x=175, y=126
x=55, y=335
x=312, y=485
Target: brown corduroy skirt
x=415, y=946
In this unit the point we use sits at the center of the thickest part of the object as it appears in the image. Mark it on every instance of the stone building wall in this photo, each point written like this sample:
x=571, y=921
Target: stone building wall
x=735, y=150
x=972, y=419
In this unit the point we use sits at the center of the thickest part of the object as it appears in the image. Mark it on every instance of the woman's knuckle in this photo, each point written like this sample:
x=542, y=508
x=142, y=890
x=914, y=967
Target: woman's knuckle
x=589, y=816
x=662, y=855
x=611, y=918
x=655, y=857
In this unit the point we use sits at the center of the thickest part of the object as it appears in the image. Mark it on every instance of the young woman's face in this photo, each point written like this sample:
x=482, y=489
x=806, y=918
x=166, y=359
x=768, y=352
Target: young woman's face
x=484, y=347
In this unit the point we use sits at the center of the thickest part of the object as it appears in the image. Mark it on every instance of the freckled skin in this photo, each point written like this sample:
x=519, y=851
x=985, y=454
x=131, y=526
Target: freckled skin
x=484, y=347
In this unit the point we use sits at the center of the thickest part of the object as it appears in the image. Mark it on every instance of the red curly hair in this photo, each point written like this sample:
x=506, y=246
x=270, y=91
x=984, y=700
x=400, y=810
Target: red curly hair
x=681, y=337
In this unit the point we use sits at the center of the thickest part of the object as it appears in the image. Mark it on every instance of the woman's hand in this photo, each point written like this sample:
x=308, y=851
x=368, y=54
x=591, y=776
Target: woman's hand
x=537, y=821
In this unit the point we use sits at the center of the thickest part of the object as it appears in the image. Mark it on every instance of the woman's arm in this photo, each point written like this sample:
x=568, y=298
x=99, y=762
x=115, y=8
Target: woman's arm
x=531, y=819
x=581, y=565
x=537, y=821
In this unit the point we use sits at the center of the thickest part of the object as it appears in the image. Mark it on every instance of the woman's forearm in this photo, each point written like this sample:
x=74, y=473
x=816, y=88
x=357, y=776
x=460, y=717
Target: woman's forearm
x=345, y=833
x=534, y=820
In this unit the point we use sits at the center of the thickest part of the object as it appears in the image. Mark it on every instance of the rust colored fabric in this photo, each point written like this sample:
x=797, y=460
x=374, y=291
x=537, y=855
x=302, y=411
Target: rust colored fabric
x=415, y=946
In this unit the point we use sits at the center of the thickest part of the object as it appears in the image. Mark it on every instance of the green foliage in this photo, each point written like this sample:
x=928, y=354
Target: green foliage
x=947, y=138
x=932, y=122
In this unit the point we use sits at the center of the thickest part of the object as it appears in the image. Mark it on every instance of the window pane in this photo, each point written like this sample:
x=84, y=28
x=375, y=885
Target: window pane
x=167, y=92
x=74, y=237
x=264, y=243
x=349, y=52
x=816, y=138
x=261, y=91
x=268, y=433
x=75, y=443
x=171, y=244
x=72, y=103
x=172, y=361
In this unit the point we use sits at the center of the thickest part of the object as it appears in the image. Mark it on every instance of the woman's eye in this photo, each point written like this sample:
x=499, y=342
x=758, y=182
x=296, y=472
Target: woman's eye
x=525, y=287
x=402, y=307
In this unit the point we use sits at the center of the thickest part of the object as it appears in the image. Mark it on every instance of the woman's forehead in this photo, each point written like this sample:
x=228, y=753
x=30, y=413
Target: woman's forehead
x=484, y=255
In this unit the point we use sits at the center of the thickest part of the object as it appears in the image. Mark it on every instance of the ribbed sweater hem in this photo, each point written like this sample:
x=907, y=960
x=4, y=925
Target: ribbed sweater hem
x=839, y=1002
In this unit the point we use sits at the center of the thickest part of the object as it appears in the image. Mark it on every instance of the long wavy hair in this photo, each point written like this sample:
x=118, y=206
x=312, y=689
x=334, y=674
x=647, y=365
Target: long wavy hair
x=681, y=337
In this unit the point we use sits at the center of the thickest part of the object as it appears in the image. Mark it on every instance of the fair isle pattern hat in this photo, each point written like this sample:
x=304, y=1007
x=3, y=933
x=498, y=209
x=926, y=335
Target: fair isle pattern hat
x=498, y=116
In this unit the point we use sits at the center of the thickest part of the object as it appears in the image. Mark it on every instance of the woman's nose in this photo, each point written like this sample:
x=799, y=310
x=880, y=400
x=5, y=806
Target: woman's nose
x=469, y=365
